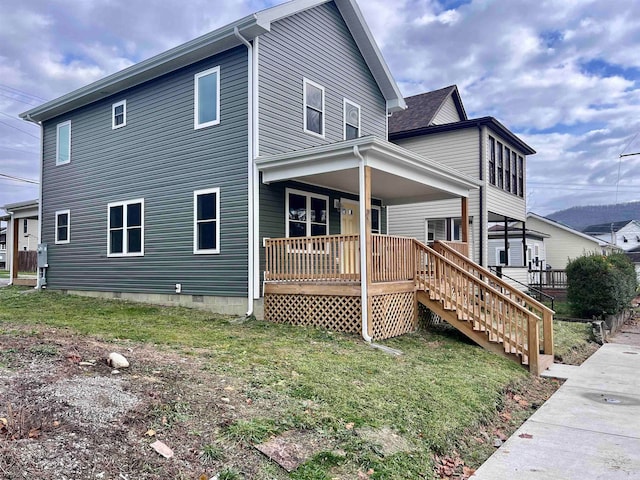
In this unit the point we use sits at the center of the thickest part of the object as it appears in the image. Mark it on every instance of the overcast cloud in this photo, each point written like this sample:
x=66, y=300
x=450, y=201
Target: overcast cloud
x=562, y=74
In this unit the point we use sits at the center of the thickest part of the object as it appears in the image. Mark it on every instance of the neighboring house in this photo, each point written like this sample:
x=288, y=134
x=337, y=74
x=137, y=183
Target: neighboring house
x=3, y=248
x=634, y=255
x=436, y=126
x=248, y=169
x=565, y=243
x=21, y=235
x=534, y=251
x=624, y=234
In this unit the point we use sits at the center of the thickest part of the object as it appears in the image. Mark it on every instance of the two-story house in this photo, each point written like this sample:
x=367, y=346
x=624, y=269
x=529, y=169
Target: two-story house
x=248, y=171
x=436, y=126
x=21, y=238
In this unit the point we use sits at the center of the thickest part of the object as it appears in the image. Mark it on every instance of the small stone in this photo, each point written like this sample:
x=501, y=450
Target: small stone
x=115, y=372
x=497, y=443
x=162, y=449
x=87, y=364
x=225, y=400
x=116, y=360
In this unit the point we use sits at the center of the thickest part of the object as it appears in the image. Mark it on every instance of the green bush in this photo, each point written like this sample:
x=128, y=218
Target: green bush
x=599, y=285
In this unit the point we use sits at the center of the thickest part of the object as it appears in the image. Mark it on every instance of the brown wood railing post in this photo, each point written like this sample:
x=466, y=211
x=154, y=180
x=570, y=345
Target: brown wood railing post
x=533, y=340
x=547, y=332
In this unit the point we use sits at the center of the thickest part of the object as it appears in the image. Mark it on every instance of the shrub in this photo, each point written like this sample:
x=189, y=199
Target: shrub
x=599, y=285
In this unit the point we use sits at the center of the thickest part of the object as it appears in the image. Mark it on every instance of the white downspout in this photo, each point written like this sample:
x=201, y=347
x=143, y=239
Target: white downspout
x=364, y=294
x=40, y=220
x=250, y=180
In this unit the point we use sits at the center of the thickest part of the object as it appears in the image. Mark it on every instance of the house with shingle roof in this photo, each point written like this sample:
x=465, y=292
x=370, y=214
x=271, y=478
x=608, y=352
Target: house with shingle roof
x=624, y=234
x=435, y=125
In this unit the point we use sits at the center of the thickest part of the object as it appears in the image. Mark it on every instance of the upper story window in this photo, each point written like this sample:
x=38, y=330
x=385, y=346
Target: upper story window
x=492, y=161
x=25, y=226
x=206, y=221
x=63, y=226
x=500, y=172
x=514, y=173
x=507, y=169
x=125, y=225
x=313, y=108
x=119, y=114
x=207, y=98
x=307, y=214
x=351, y=120
x=63, y=143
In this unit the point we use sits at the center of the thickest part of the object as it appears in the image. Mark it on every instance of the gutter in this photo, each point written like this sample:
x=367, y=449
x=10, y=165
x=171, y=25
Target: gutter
x=481, y=195
x=28, y=118
x=250, y=171
x=364, y=293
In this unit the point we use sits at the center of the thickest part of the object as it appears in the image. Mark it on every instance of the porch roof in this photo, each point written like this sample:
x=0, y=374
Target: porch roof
x=398, y=176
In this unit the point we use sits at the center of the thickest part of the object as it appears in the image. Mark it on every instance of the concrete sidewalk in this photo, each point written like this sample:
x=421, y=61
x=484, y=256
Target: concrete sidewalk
x=588, y=429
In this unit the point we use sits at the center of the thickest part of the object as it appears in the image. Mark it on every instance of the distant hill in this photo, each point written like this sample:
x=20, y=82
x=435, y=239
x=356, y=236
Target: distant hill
x=581, y=217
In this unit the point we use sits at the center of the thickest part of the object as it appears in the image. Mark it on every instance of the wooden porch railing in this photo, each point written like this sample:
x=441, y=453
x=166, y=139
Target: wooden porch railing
x=475, y=300
x=461, y=247
x=393, y=259
x=552, y=278
x=540, y=309
x=334, y=258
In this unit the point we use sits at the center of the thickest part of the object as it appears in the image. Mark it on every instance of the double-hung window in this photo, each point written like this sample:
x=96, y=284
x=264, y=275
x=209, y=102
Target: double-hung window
x=500, y=166
x=119, y=114
x=351, y=120
x=125, y=225
x=376, y=219
x=307, y=214
x=514, y=173
x=63, y=226
x=63, y=143
x=206, y=221
x=492, y=161
x=313, y=108
x=507, y=169
x=207, y=98
x=520, y=176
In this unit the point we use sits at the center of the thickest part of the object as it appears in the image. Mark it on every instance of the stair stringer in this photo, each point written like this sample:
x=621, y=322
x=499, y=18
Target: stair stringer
x=465, y=327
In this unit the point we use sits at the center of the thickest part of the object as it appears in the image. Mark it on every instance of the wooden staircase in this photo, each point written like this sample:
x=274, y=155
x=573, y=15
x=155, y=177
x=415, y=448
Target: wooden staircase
x=483, y=307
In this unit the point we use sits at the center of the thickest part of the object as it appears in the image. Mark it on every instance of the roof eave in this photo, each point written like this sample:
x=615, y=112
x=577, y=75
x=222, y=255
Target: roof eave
x=195, y=50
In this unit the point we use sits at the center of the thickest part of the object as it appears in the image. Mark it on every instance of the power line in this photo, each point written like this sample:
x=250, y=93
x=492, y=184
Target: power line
x=22, y=92
x=31, y=103
x=20, y=130
x=19, y=179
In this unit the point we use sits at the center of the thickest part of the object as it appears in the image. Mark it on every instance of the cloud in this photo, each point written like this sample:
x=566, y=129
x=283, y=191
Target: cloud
x=562, y=74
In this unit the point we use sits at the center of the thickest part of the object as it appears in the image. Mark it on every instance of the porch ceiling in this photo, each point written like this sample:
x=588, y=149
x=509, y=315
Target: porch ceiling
x=398, y=175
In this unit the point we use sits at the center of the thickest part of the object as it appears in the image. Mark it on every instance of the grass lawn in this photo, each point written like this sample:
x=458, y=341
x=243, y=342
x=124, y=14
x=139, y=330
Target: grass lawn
x=442, y=388
x=4, y=273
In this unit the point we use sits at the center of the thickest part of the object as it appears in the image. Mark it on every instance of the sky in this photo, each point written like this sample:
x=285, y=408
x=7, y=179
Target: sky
x=564, y=75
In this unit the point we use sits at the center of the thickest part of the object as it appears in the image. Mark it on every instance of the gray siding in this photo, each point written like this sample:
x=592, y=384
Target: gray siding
x=447, y=114
x=315, y=44
x=157, y=156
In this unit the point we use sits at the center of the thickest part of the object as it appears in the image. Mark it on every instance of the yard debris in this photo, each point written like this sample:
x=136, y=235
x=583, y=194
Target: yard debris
x=292, y=448
x=162, y=449
x=115, y=360
x=525, y=435
x=150, y=433
x=87, y=364
x=497, y=443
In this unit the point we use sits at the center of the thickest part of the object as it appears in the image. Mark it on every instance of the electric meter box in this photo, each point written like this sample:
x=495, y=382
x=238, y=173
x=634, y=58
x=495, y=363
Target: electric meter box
x=42, y=256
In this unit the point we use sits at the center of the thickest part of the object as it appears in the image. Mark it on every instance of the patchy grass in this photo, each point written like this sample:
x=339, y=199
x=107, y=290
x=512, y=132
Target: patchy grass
x=442, y=388
x=573, y=342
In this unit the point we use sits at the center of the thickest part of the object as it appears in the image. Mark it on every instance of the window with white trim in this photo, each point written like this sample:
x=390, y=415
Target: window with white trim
x=206, y=221
x=63, y=143
x=313, y=108
x=307, y=214
x=351, y=120
x=119, y=114
x=125, y=229
x=376, y=219
x=207, y=98
x=502, y=257
x=63, y=226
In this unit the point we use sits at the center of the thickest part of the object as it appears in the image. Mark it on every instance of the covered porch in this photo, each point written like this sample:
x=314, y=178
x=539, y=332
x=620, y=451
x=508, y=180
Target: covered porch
x=357, y=280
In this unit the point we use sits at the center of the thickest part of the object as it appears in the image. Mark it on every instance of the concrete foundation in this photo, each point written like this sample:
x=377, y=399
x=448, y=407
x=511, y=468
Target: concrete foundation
x=236, y=306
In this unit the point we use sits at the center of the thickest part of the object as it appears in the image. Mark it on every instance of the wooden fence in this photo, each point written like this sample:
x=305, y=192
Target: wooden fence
x=27, y=261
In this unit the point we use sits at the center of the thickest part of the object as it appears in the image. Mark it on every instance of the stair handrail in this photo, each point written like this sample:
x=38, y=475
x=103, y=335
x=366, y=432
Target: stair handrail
x=491, y=289
x=551, y=298
x=533, y=340
x=545, y=312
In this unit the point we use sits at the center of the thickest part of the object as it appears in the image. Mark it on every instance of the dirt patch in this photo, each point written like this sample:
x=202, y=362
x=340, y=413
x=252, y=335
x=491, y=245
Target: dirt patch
x=75, y=421
x=388, y=441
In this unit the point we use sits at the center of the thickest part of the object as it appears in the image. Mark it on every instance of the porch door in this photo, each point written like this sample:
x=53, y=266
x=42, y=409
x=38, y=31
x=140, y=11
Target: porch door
x=349, y=225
